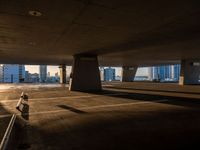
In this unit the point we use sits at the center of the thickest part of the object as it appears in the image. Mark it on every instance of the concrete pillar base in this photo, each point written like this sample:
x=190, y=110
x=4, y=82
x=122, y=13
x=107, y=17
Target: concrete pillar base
x=190, y=72
x=85, y=74
x=128, y=73
x=62, y=74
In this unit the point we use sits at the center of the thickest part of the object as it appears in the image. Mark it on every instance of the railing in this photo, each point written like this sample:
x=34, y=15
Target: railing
x=8, y=133
x=9, y=137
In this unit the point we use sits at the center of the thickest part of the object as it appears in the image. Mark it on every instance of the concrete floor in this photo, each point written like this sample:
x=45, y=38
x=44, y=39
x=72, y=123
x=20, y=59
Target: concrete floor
x=123, y=116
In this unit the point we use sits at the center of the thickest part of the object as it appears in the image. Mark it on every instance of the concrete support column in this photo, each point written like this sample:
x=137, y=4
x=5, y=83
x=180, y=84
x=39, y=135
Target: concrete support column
x=190, y=72
x=128, y=73
x=85, y=74
x=62, y=74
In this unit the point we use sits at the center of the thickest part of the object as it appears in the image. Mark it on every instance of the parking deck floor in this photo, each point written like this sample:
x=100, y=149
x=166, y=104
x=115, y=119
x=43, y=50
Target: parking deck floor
x=123, y=116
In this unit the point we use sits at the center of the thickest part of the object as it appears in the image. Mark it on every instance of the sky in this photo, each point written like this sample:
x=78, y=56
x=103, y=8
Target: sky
x=35, y=69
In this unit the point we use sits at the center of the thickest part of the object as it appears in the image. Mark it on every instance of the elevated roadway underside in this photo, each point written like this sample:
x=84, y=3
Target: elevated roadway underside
x=121, y=33
x=122, y=116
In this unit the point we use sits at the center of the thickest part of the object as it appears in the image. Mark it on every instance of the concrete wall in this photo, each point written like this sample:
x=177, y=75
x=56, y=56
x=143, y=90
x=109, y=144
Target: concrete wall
x=85, y=74
x=190, y=72
x=128, y=73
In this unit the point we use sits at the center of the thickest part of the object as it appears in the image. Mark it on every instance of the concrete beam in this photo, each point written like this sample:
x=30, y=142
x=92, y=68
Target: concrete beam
x=62, y=74
x=128, y=73
x=85, y=74
x=190, y=72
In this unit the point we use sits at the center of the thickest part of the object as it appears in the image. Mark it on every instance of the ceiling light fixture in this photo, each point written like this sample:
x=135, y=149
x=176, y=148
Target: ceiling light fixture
x=35, y=13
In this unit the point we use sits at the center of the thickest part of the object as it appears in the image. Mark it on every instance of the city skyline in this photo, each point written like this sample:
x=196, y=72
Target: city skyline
x=142, y=71
x=44, y=73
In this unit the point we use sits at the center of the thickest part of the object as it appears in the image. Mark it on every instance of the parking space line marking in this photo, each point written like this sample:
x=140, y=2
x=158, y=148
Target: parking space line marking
x=54, y=98
x=122, y=104
x=5, y=116
x=89, y=107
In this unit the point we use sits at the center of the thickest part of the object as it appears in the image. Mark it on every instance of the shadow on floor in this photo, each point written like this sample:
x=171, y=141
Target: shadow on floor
x=112, y=131
x=155, y=90
x=172, y=100
x=71, y=109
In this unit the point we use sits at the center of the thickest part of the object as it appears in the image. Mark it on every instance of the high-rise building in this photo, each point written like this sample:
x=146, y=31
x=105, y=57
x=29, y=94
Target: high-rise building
x=167, y=72
x=21, y=73
x=177, y=70
x=109, y=74
x=12, y=73
x=164, y=72
x=43, y=73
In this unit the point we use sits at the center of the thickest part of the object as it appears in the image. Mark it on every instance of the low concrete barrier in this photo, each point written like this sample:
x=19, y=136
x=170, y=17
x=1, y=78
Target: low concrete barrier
x=23, y=101
x=23, y=106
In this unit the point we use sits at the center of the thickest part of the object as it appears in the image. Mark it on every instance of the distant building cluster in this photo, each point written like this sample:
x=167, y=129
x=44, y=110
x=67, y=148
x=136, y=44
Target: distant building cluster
x=42, y=77
x=17, y=74
x=31, y=77
x=163, y=73
x=53, y=79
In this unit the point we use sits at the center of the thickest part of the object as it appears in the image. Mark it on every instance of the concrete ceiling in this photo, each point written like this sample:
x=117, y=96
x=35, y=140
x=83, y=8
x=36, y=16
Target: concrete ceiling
x=121, y=32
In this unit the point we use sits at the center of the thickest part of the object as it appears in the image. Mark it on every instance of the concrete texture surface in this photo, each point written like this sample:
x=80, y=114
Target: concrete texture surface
x=120, y=32
x=124, y=116
x=189, y=74
x=85, y=74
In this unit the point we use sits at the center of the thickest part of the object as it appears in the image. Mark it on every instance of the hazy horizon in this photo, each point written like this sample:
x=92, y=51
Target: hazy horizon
x=35, y=69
